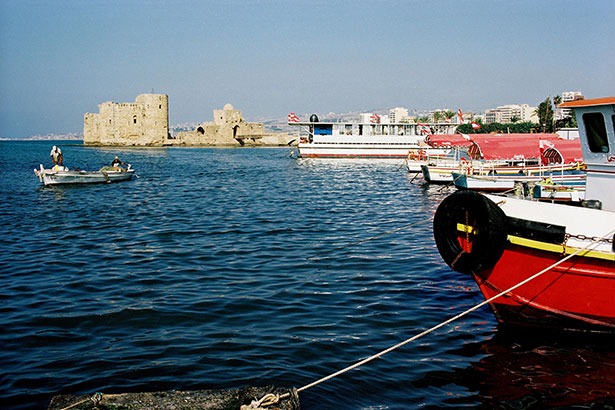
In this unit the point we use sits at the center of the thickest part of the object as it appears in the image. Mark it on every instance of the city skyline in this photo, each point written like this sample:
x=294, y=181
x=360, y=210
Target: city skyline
x=267, y=58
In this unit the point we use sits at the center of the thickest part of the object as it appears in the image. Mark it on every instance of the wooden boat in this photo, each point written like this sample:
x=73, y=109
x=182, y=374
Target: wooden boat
x=509, y=154
x=558, y=192
x=60, y=175
x=502, y=182
x=439, y=148
x=439, y=170
x=417, y=157
x=539, y=264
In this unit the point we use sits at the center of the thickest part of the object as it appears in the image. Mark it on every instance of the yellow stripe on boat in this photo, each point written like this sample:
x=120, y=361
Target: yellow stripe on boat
x=560, y=249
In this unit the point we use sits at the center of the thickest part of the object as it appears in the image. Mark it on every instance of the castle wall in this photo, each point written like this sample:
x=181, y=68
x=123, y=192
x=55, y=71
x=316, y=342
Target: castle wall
x=144, y=122
x=229, y=129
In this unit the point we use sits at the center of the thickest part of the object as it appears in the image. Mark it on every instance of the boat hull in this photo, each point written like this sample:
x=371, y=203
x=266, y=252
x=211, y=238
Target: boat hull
x=492, y=184
x=569, y=193
x=575, y=295
x=437, y=175
x=307, y=150
x=502, y=183
x=567, y=252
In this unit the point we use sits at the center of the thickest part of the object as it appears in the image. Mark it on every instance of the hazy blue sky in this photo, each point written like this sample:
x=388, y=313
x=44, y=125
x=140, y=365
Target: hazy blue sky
x=60, y=59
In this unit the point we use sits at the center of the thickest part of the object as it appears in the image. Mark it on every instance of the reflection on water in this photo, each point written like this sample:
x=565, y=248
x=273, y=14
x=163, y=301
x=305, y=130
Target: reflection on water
x=521, y=371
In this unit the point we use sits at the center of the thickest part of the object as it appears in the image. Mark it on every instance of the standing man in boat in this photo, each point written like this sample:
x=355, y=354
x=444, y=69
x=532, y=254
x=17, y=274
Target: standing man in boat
x=56, y=155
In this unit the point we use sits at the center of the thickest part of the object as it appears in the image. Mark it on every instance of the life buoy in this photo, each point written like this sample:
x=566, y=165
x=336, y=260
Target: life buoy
x=470, y=232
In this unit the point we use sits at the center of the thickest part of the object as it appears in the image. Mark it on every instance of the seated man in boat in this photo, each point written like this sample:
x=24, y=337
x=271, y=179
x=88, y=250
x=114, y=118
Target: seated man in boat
x=56, y=155
x=116, y=162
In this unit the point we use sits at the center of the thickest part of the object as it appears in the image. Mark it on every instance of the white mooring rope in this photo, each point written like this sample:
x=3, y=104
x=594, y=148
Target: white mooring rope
x=454, y=318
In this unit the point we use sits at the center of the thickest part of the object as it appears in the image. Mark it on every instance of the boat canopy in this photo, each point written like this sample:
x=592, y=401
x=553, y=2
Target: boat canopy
x=519, y=146
x=466, y=140
x=448, y=140
x=562, y=152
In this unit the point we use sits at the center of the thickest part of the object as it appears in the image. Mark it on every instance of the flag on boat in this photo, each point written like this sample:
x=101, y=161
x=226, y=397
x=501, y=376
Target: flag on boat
x=424, y=128
x=544, y=144
x=460, y=115
x=476, y=125
x=292, y=117
x=374, y=119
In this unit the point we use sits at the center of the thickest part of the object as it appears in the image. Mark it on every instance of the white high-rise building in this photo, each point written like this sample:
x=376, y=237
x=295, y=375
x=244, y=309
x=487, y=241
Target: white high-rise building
x=561, y=113
x=398, y=114
x=506, y=113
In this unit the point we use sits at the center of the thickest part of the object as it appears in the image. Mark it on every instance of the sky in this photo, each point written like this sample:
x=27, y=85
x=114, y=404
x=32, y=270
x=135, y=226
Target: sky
x=60, y=59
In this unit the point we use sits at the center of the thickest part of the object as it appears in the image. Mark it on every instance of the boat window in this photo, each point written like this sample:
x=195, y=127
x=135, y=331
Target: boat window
x=323, y=129
x=596, y=132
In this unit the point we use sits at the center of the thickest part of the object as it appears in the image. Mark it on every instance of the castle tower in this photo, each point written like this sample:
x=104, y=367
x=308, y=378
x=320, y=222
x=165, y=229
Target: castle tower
x=144, y=122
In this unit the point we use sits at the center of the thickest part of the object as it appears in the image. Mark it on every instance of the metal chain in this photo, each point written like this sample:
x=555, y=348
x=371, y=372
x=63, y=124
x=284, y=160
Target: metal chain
x=582, y=237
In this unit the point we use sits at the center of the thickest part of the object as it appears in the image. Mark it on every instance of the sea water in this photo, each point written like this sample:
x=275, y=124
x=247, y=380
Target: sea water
x=223, y=268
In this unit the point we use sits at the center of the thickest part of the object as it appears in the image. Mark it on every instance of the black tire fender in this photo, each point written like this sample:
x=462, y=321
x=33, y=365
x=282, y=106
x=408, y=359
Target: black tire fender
x=485, y=230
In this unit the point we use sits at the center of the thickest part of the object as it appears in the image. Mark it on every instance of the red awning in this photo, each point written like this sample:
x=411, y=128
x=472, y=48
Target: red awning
x=509, y=146
x=562, y=151
x=448, y=140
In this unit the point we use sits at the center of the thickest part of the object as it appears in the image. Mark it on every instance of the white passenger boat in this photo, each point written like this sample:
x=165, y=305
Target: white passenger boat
x=362, y=140
x=60, y=175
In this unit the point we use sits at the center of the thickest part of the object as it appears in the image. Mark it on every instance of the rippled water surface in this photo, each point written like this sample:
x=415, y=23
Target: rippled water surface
x=221, y=268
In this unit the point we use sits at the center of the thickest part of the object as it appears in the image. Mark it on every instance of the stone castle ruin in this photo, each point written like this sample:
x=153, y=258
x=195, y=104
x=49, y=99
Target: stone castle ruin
x=146, y=123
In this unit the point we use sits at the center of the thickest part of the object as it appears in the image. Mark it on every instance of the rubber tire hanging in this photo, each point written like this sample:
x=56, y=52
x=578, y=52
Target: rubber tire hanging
x=488, y=232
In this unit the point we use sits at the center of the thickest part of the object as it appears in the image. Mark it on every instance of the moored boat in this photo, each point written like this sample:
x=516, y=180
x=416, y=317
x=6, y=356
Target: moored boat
x=439, y=148
x=495, y=182
x=548, y=190
x=543, y=264
x=417, y=157
x=492, y=156
x=60, y=175
x=373, y=139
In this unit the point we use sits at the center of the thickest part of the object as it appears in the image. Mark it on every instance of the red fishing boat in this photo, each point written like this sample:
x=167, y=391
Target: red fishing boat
x=542, y=264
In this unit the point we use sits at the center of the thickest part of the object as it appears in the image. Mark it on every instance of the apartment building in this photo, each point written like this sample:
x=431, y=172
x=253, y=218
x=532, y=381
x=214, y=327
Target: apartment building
x=506, y=113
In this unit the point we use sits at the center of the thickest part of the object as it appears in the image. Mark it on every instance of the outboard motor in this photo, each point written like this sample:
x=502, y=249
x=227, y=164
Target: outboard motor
x=313, y=118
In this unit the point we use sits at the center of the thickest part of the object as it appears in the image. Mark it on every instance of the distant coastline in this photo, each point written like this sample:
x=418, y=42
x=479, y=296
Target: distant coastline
x=48, y=137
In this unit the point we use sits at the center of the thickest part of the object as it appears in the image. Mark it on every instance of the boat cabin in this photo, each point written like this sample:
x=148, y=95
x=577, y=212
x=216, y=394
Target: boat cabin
x=374, y=128
x=596, y=119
